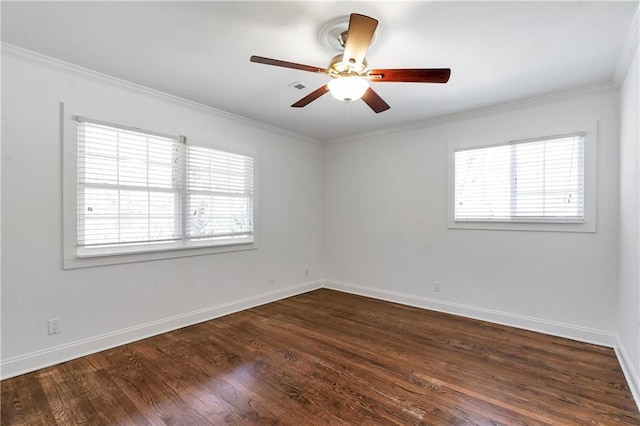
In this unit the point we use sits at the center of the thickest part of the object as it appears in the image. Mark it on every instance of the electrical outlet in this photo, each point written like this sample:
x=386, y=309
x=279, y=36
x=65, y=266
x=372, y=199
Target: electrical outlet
x=436, y=286
x=272, y=279
x=306, y=272
x=54, y=326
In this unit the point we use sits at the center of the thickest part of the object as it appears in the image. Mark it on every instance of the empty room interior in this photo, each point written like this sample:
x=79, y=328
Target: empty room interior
x=272, y=212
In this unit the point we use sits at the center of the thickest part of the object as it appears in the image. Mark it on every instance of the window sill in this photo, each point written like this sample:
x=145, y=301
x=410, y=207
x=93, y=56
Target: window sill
x=556, y=226
x=89, y=258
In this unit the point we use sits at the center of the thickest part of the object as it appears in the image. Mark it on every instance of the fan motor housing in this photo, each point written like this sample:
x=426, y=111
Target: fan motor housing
x=339, y=68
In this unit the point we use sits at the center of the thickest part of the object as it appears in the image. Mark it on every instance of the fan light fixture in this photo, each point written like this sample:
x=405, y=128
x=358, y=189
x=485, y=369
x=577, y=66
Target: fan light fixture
x=350, y=71
x=348, y=89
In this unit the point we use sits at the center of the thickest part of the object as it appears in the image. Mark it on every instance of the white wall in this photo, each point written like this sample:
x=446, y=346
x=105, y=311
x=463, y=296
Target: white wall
x=109, y=305
x=385, y=225
x=386, y=229
x=629, y=298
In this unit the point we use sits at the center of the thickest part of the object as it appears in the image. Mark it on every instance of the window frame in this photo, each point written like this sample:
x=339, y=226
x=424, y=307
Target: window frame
x=588, y=224
x=74, y=258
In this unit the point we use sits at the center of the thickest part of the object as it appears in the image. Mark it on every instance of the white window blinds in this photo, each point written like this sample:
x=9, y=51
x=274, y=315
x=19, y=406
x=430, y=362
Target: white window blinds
x=219, y=194
x=128, y=186
x=528, y=181
x=142, y=189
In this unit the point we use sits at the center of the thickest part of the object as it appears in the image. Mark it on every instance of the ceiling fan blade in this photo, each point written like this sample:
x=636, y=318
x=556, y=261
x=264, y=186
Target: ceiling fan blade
x=311, y=97
x=374, y=101
x=359, y=35
x=411, y=75
x=285, y=64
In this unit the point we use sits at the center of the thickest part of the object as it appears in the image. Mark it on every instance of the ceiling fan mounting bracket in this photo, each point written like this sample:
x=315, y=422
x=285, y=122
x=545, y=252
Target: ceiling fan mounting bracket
x=333, y=34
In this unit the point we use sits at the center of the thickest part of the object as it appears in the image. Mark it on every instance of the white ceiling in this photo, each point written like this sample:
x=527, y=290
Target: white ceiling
x=499, y=52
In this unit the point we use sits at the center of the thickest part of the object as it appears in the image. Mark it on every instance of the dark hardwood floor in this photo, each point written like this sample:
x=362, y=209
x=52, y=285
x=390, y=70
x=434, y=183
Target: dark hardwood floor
x=326, y=357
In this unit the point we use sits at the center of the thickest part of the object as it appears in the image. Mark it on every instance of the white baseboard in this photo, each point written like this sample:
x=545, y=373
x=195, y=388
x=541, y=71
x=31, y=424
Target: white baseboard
x=569, y=331
x=36, y=360
x=630, y=373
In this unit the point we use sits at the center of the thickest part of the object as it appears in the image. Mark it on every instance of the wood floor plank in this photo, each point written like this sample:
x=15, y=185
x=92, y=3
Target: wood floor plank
x=532, y=366
x=24, y=402
x=326, y=357
x=356, y=368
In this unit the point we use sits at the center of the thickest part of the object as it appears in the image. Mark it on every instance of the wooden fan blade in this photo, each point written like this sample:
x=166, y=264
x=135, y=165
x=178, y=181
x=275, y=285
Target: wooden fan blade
x=311, y=97
x=411, y=75
x=374, y=101
x=359, y=35
x=285, y=64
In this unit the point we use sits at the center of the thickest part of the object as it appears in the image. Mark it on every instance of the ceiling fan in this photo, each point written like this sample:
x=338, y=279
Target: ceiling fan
x=350, y=72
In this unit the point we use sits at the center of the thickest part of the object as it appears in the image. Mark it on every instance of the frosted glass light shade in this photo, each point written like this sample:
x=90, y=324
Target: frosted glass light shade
x=348, y=89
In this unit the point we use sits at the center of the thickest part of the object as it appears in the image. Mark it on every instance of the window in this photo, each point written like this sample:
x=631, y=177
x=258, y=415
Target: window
x=538, y=180
x=219, y=195
x=139, y=191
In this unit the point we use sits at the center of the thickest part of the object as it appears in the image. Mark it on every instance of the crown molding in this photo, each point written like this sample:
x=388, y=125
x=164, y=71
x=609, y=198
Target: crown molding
x=25, y=55
x=629, y=48
x=610, y=85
